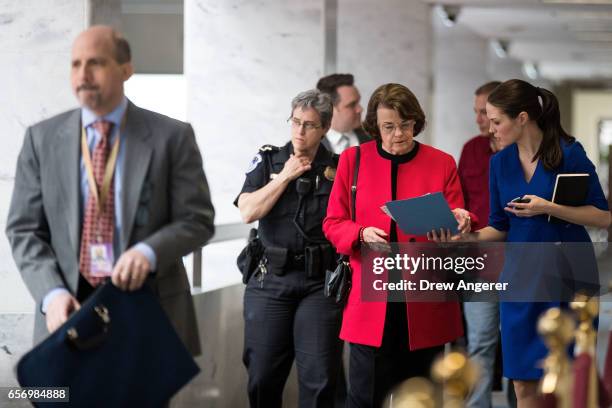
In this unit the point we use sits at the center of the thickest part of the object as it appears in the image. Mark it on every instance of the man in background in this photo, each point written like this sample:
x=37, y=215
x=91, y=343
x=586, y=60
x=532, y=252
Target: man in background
x=345, y=130
x=482, y=318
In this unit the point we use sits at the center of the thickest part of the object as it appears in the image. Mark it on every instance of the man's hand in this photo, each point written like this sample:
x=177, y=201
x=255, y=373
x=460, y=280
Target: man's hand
x=61, y=306
x=131, y=270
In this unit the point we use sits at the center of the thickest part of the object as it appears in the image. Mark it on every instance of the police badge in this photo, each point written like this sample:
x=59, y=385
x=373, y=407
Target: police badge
x=329, y=173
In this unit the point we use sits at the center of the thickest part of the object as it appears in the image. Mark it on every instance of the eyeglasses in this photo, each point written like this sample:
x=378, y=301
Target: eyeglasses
x=296, y=123
x=404, y=127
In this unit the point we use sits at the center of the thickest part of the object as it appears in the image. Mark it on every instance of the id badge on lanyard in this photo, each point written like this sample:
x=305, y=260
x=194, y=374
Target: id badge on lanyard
x=100, y=253
x=102, y=259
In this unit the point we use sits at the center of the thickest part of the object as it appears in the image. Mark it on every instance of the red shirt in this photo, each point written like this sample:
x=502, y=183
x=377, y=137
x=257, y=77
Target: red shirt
x=474, y=176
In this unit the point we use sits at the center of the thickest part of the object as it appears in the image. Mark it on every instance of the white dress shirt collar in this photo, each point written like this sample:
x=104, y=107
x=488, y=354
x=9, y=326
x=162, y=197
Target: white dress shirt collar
x=334, y=138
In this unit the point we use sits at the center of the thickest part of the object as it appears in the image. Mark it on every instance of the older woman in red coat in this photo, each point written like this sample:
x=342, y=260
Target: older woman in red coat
x=390, y=341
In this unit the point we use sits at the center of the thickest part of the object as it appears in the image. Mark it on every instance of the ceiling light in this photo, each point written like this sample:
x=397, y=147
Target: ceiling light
x=500, y=47
x=531, y=70
x=448, y=14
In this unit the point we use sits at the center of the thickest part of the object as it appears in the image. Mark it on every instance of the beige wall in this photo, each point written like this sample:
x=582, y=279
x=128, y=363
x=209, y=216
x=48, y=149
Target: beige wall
x=589, y=108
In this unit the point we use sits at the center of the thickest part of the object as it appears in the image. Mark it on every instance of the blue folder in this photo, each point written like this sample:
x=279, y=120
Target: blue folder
x=119, y=350
x=420, y=215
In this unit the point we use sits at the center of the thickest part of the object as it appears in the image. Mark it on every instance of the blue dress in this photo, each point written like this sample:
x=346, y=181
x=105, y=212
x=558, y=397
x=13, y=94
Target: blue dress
x=522, y=347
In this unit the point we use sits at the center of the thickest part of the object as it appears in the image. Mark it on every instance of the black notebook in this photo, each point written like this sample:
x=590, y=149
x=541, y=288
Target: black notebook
x=570, y=189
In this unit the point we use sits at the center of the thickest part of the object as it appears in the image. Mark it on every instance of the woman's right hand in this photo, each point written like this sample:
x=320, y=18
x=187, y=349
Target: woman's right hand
x=294, y=167
x=373, y=234
x=376, y=239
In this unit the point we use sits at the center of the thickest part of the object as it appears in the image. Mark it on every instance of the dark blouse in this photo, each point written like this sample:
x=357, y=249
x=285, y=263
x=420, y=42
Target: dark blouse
x=394, y=274
x=396, y=160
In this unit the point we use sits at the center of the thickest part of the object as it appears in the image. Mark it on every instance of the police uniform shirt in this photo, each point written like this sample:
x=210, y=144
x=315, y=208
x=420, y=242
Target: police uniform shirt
x=277, y=228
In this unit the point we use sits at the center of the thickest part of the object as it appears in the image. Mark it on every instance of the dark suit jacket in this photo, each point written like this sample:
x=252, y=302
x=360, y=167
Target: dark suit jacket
x=362, y=136
x=165, y=203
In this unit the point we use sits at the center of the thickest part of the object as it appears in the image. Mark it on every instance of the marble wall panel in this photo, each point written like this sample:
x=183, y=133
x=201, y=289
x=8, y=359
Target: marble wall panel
x=35, y=42
x=244, y=62
x=386, y=41
x=459, y=66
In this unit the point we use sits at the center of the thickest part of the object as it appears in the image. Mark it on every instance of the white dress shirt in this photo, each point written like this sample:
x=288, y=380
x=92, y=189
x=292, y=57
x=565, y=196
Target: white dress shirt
x=338, y=143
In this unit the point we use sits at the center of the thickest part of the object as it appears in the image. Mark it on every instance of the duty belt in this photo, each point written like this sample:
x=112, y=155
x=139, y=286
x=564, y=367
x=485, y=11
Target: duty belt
x=296, y=260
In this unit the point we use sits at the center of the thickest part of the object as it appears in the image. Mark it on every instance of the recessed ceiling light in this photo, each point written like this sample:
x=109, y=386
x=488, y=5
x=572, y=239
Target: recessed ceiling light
x=448, y=14
x=531, y=70
x=500, y=47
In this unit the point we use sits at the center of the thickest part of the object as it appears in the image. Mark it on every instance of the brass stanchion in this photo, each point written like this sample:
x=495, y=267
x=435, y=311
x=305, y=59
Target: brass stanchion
x=454, y=372
x=557, y=329
x=458, y=375
x=586, y=309
x=417, y=392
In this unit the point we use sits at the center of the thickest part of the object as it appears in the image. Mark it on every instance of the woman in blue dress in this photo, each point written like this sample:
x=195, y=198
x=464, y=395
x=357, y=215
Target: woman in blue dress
x=526, y=120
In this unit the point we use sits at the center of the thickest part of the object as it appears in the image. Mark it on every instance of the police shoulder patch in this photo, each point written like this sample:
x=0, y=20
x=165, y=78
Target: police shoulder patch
x=256, y=160
x=269, y=148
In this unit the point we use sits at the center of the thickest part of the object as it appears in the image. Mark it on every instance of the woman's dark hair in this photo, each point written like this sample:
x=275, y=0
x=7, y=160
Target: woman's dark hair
x=515, y=96
x=399, y=98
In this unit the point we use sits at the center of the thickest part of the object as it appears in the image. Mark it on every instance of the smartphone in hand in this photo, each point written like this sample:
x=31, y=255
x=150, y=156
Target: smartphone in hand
x=521, y=200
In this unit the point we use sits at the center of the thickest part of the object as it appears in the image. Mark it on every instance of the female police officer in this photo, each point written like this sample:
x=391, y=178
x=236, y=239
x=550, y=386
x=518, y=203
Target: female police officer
x=285, y=311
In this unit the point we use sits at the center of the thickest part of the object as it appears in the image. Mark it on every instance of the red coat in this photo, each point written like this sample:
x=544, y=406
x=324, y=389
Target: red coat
x=431, y=170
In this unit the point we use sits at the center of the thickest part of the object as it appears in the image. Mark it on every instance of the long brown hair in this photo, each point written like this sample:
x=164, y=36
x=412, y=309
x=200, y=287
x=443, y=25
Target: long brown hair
x=515, y=96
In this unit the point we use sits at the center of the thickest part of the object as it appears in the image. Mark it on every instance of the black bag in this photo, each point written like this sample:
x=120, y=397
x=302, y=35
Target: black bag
x=249, y=256
x=338, y=282
x=118, y=350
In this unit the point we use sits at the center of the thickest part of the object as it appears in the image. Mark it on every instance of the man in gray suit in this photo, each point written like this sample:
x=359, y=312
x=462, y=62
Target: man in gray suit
x=75, y=204
x=345, y=130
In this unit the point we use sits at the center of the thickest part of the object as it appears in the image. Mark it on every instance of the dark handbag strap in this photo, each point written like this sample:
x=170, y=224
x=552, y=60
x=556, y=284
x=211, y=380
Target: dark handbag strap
x=345, y=258
x=354, y=185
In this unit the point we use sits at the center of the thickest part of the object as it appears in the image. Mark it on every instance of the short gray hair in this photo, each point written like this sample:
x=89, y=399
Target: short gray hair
x=317, y=100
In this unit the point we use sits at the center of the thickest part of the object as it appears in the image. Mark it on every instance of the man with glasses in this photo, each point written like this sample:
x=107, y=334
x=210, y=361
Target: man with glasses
x=345, y=130
x=286, y=314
